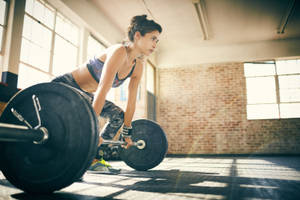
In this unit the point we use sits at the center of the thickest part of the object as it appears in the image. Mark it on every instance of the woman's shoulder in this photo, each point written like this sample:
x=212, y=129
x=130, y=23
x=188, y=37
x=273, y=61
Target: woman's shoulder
x=117, y=47
x=118, y=50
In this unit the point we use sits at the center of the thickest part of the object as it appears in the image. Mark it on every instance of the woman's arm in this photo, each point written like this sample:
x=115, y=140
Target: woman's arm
x=114, y=60
x=132, y=92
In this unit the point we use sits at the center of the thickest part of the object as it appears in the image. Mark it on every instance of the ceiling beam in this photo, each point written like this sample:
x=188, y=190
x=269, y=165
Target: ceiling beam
x=286, y=16
x=202, y=17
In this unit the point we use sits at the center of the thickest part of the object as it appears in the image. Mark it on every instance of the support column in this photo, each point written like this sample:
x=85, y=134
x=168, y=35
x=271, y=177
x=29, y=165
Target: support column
x=13, y=42
x=84, y=45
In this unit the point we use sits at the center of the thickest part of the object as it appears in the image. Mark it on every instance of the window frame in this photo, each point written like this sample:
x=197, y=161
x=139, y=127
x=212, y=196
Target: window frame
x=4, y=26
x=54, y=34
x=277, y=88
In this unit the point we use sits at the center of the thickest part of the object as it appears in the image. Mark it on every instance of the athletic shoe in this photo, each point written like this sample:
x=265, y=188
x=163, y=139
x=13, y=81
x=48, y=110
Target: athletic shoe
x=103, y=166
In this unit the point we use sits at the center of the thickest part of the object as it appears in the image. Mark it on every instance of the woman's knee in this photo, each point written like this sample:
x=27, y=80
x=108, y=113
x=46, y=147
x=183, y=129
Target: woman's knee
x=117, y=118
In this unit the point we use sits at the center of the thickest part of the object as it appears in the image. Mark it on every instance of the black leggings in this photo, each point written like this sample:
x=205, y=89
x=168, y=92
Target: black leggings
x=110, y=111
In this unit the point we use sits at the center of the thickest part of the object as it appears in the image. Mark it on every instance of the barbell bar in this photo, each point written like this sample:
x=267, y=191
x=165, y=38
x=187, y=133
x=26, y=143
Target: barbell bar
x=19, y=133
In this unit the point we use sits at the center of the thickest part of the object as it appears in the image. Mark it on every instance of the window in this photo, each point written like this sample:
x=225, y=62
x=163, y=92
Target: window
x=94, y=47
x=49, y=44
x=273, y=89
x=3, y=15
x=150, y=78
x=123, y=90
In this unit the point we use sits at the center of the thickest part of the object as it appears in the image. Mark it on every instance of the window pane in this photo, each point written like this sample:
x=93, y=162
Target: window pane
x=255, y=69
x=39, y=57
x=2, y=12
x=111, y=95
x=29, y=76
x=37, y=33
x=41, y=35
x=94, y=47
x=150, y=78
x=27, y=27
x=48, y=19
x=292, y=81
x=261, y=90
x=59, y=26
x=290, y=95
x=25, y=51
x=35, y=55
x=66, y=29
x=262, y=111
x=289, y=88
x=41, y=11
x=288, y=66
x=123, y=90
x=291, y=110
x=38, y=10
x=73, y=34
x=65, y=56
x=29, y=6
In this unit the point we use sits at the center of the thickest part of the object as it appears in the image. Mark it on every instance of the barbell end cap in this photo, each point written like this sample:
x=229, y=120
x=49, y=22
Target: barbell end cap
x=140, y=144
x=45, y=137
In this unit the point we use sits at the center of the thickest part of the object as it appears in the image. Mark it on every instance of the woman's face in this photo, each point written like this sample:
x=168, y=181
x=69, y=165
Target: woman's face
x=148, y=42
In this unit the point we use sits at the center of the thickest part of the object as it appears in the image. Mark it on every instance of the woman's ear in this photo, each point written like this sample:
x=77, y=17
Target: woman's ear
x=137, y=35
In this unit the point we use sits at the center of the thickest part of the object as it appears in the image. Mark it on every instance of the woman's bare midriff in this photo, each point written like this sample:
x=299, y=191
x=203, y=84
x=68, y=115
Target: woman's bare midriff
x=84, y=79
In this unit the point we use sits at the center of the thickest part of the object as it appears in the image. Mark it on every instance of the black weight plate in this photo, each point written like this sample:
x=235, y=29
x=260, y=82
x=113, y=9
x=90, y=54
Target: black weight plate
x=73, y=135
x=93, y=116
x=154, y=151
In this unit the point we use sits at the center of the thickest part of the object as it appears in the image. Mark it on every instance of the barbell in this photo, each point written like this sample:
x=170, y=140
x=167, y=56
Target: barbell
x=49, y=135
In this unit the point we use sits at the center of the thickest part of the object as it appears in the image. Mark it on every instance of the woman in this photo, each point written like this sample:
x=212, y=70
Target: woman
x=110, y=69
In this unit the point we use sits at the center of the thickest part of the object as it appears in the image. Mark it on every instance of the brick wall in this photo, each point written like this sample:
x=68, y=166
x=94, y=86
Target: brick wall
x=203, y=111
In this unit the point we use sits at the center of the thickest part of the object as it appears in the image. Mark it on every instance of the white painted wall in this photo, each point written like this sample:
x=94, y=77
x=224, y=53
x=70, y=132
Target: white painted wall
x=243, y=52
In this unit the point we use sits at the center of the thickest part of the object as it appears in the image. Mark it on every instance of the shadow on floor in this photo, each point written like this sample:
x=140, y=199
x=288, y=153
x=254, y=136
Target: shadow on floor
x=57, y=196
x=188, y=184
x=230, y=187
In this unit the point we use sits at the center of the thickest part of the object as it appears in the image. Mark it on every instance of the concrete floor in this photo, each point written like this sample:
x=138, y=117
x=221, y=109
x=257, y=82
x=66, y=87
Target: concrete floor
x=185, y=178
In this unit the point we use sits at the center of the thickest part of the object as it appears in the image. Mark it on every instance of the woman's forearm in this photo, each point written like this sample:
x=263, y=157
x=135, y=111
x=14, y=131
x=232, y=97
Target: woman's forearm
x=98, y=103
x=130, y=109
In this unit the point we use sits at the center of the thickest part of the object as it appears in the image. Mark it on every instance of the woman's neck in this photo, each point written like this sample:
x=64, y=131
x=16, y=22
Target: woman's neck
x=133, y=52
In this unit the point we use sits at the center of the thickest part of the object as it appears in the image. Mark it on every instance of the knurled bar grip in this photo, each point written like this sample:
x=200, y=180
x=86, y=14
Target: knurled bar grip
x=118, y=142
x=114, y=142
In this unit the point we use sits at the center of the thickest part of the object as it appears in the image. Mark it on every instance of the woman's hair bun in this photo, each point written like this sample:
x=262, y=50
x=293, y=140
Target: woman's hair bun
x=139, y=19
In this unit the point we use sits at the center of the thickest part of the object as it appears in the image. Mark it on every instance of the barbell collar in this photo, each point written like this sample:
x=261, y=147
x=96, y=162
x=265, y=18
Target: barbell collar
x=18, y=133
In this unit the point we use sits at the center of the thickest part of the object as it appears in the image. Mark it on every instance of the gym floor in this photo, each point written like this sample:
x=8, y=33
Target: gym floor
x=232, y=177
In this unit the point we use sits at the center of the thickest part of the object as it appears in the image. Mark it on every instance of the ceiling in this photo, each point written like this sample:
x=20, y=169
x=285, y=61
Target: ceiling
x=228, y=21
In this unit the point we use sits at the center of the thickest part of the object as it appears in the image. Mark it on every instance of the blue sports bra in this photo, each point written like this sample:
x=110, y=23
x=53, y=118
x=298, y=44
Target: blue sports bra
x=95, y=67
